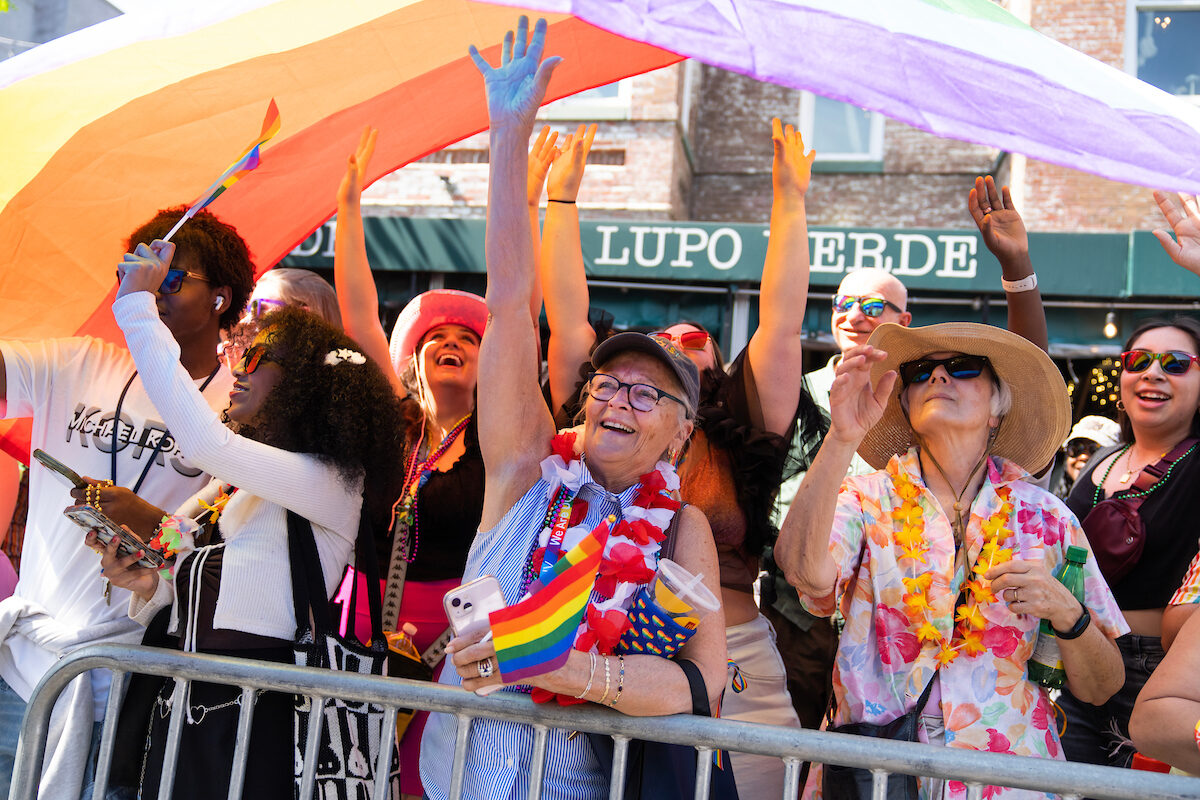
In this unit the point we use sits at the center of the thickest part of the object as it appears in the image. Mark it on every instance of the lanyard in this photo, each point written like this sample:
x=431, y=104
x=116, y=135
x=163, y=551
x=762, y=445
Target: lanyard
x=162, y=440
x=558, y=516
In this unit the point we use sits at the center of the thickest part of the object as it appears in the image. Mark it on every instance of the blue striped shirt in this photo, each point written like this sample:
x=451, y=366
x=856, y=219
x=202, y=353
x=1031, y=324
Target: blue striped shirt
x=498, y=752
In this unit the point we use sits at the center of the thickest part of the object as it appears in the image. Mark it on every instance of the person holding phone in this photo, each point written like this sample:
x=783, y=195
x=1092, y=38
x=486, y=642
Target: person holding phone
x=90, y=410
x=640, y=407
x=311, y=427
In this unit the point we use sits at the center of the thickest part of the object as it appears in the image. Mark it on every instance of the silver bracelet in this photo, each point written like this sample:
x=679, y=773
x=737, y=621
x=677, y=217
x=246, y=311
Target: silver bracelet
x=607, y=681
x=1026, y=284
x=591, y=677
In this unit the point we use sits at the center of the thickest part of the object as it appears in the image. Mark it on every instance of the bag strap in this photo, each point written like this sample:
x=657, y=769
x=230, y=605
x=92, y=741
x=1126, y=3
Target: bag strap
x=667, y=549
x=700, y=705
x=307, y=576
x=1153, y=473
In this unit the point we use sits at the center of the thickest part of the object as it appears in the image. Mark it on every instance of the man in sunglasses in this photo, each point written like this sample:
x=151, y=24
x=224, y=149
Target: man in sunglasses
x=866, y=299
x=91, y=412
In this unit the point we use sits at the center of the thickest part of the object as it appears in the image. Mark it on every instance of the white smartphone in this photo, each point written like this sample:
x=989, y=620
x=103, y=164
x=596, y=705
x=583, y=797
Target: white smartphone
x=467, y=608
x=106, y=530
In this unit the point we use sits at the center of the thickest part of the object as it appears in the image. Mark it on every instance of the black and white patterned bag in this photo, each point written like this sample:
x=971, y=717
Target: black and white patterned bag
x=351, y=733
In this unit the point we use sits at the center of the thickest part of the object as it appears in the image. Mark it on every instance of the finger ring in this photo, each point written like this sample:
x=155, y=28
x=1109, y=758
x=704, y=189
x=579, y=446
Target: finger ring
x=485, y=668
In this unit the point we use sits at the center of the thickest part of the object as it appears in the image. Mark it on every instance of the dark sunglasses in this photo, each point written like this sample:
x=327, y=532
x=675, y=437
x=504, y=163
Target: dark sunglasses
x=688, y=340
x=1081, y=447
x=958, y=367
x=174, y=280
x=642, y=396
x=871, y=306
x=1173, y=362
x=255, y=355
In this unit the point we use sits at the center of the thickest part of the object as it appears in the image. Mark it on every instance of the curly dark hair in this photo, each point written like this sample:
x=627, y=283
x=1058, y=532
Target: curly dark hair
x=222, y=253
x=345, y=413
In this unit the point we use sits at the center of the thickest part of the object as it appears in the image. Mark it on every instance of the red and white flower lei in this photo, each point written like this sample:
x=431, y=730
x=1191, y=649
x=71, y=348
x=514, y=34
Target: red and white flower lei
x=630, y=559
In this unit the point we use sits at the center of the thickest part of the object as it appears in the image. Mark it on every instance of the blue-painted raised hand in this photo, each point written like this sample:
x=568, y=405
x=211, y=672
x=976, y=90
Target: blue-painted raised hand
x=515, y=89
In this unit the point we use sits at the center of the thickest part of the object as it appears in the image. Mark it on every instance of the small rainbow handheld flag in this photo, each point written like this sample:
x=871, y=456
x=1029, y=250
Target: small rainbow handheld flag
x=248, y=160
x=535, y=636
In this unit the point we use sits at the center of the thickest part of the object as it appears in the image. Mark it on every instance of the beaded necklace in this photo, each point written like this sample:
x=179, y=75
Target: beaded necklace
x=405, y=517
x=1144, y=492
x=969, y=621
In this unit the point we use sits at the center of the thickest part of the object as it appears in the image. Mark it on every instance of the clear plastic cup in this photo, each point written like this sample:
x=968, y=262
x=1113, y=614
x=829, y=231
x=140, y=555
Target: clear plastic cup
x=685, y=587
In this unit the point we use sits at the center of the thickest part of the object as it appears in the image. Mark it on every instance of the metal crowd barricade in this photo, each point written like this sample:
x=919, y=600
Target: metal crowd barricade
x=974, y=769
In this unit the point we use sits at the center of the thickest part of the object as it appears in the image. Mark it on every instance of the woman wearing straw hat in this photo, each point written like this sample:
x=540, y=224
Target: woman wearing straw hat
x=942, y=560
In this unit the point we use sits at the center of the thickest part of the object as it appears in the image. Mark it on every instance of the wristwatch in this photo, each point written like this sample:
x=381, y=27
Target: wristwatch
x=1077, y=629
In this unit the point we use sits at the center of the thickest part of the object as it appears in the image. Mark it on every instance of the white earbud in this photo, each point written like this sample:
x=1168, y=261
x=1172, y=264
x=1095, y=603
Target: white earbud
x=217, y=305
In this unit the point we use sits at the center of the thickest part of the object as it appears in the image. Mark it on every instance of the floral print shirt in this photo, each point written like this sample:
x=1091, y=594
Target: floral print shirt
x=987, y=700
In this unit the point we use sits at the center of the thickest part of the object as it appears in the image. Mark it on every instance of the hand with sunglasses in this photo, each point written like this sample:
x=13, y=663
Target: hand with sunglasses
x=145, y=269
x=1182, y=213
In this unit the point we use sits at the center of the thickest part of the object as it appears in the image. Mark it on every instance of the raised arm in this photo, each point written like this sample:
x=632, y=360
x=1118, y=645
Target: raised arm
x=802, y=550
x=561, y=270
x=775, y=349
x=540, y=156
x=1182, y=213
x=514, y=425
x=1167, y=711
x=1004, y=234
x=358, y=299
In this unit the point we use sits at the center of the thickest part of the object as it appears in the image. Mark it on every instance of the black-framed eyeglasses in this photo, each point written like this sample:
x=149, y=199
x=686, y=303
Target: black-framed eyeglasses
x=958, y=367
x=1173, y=362
x=173, y=282
x=254, y=356
x=870, y=305
x=642, y=396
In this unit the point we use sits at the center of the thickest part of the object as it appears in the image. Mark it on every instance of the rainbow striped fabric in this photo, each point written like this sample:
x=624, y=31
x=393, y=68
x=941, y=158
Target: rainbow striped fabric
x=244, y=163
x=535, y=636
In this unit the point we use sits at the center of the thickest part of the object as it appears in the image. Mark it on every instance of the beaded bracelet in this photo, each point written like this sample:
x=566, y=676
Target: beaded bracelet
x=607, y=681
x=621, y=683
x=591, y=677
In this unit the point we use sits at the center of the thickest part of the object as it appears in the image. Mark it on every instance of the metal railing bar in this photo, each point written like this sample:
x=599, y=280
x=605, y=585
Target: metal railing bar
x=462, y=734
x=179, y=703
x=383, y=766
x=974, y=791
x=620, y=766
x=108, y=736
x=704, y=759
x=1042, y=775
x=241, y=743
x=791, y=777
x=537, y=761
x=879, y=784
x=316, y=726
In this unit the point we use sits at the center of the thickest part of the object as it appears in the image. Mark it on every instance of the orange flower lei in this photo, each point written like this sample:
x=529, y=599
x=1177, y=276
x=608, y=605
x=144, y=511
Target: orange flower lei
x=969, y=621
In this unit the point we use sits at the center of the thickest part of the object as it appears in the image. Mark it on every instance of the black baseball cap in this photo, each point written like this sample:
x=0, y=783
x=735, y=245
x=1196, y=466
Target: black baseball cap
x=661, y=348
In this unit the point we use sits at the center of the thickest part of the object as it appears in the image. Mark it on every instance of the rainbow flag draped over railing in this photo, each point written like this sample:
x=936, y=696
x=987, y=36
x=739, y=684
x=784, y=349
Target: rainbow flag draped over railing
x=535, y=636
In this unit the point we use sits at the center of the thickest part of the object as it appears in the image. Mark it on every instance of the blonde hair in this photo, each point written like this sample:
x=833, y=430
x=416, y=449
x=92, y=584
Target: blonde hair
x=303, y=288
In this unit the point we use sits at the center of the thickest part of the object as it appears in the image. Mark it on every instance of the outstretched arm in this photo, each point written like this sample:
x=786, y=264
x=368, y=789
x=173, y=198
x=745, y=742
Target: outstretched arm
x=540, y=156
x=358, y=300
x=775, y=349
x=1004, y=234
x=561, y=268
x=514, y=424
x=1182, y=213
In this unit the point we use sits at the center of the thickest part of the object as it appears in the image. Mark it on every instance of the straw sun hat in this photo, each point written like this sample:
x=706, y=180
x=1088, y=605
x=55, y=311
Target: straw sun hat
x=1030, y=433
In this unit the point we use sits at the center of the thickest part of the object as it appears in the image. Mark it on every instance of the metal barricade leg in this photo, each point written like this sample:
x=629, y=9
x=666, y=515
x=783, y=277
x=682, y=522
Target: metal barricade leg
x=316, y=726
x=461, y=736
x=241, y=747
x=179, y=697
x=704, y=758
x=974, y=791
x=383, y=766
x=537, y=761
x=791, y=777
x=108, y=737
x=620, y=766
x=879, y=781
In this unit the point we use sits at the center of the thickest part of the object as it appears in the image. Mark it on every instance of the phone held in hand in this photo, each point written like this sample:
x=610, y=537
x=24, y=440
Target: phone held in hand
x=89, y=519
x=51, y=463
x=467, y=607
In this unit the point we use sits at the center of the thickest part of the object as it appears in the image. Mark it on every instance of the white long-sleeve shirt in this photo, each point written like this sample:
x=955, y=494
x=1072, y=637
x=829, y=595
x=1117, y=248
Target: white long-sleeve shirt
x=256, y=590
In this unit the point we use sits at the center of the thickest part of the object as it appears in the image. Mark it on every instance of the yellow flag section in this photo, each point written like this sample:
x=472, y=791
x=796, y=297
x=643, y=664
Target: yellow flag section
x=102, y=128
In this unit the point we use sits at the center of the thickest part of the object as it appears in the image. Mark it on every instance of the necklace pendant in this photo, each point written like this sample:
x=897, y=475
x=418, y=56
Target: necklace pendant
x=1125, y=478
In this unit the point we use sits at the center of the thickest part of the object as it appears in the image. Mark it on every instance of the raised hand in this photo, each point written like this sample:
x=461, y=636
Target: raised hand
x=566, y=173
x=515, y=88
x=999, y=223
x=540, y=155
x=791, y=170
x=143, y=270
x=854, y=404
x=1182, y=213
x=356, y=167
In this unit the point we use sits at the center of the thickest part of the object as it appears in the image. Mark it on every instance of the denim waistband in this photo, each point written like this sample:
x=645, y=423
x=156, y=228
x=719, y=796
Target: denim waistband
x=1135, y=644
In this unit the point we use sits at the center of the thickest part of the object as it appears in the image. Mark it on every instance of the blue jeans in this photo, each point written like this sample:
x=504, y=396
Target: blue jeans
x=1100, y=734
x=12, y=712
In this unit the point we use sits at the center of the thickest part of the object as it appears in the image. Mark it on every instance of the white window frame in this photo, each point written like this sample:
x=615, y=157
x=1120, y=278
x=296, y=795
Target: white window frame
x=874, y=154
x=1132, y=7
x=592, y=108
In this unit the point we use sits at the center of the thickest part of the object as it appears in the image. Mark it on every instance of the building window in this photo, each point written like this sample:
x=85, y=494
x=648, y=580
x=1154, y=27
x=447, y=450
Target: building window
x=610, y=101
x=846, y=137
x=1162, y=46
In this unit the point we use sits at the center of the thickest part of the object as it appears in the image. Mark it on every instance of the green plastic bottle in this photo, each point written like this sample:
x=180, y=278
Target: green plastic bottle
x=1045, y=665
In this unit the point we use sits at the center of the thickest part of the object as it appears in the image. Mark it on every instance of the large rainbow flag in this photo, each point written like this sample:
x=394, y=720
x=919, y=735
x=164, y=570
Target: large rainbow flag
x=535, y=636
x=965, y=69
